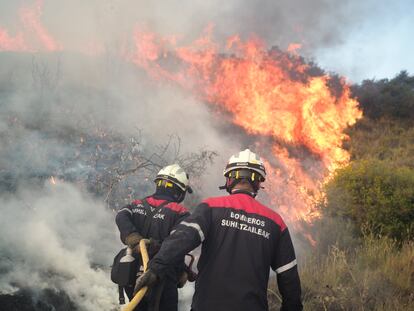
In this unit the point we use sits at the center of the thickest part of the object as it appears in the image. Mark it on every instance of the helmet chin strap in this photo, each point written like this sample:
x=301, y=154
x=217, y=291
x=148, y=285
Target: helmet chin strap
x=176, y=194
x=253, y=194
x=232, y=182
x=180, y=197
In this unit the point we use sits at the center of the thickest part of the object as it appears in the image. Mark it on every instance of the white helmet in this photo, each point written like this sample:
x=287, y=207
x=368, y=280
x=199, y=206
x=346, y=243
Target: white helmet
x=245, y=160
x=176, y=175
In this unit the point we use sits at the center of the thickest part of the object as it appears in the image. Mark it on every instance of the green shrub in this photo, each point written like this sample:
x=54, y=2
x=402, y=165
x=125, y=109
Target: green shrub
x=374, y=196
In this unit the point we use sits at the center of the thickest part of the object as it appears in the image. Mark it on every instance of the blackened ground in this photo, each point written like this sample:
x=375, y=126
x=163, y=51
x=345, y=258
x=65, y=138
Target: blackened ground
x=46, y=300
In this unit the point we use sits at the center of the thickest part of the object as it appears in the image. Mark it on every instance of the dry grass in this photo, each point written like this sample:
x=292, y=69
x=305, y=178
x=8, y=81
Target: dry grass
x=377, y=275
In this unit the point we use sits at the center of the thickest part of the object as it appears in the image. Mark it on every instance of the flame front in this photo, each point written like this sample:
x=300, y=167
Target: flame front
x=298, y=118
x=268, y=94
x=33, y=35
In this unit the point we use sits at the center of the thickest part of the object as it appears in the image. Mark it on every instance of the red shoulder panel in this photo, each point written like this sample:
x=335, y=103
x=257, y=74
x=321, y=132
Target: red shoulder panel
x=244, y=202
x=176, y=207
x=136, y=202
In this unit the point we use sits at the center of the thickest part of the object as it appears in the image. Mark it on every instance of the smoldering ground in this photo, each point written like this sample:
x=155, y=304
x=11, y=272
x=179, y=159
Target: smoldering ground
x=65, y=121
x=50, y=236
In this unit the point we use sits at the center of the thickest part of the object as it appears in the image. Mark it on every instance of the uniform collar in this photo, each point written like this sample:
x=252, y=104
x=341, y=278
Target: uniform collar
x=163, y=196
x=243, y=192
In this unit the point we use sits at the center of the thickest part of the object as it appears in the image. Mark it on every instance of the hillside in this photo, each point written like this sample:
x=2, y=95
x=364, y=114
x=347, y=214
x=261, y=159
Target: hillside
x=365, y=247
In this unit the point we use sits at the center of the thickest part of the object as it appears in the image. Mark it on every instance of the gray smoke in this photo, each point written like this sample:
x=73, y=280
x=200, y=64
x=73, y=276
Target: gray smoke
x=49, y=237
x=61, y=115
x=68, y=117
x=316, y=23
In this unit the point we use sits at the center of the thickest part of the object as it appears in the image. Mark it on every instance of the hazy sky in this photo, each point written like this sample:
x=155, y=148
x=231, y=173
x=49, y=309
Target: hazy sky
x=359, y=39
x=379, y=46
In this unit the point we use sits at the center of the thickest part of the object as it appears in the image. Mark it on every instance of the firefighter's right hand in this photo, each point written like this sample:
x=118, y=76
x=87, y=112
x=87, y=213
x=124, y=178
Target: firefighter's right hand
x=133, y=239
x=153, y=247
x=149, y=278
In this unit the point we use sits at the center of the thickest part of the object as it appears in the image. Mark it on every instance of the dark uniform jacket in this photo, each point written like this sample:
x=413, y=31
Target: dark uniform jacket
x=241, y=240
x=131, y=218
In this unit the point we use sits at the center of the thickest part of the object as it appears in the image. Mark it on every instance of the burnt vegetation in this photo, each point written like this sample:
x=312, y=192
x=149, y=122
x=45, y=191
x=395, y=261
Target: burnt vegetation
x=38, y=142
x=44, y=139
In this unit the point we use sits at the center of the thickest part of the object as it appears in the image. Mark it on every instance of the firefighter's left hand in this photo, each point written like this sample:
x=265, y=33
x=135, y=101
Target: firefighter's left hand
x=182, y=280
x=149, y=278
x=133, y=239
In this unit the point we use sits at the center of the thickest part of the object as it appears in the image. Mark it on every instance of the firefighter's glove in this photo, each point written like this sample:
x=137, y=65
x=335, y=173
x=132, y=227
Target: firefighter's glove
x=182, y=280
x=148, y=279
x=191, y=275
x=133, y=239
x=153, y=247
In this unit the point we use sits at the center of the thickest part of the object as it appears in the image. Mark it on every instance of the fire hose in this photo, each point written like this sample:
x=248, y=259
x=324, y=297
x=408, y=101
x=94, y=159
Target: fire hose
x=145, y=258
x=141, y=293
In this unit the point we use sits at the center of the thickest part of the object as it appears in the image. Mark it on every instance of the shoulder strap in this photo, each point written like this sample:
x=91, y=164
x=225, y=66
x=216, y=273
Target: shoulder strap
x=121, y=295
x=150, y=214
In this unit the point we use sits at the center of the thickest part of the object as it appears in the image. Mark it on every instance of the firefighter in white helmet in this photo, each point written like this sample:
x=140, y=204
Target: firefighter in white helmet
x=154, y=217
x=241, y=240
x=246, y=166
x=175, y=175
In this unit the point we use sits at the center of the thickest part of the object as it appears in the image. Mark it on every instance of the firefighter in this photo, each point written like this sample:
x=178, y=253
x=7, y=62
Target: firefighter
x=241, y=240
x=164, y=206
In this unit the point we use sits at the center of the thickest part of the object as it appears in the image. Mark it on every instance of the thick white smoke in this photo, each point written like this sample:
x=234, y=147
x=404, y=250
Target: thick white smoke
x=58, y=237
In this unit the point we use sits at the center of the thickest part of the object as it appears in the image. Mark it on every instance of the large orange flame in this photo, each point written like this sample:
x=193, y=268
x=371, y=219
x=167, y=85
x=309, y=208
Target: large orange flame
x=34, y=35
x=30, y=16
x=9, y=43
x=267, y=93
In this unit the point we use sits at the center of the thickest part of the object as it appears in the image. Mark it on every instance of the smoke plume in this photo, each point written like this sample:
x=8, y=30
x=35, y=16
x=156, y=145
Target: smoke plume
x=73, y=108
x=65, y=119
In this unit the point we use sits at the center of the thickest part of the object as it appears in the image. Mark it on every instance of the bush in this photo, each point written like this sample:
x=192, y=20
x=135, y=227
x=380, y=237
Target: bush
x=387, y=98
x=374, y=196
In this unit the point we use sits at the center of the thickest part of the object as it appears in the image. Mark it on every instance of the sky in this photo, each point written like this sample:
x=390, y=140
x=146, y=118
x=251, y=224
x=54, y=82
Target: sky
x=378, y=47
x=358, y=39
